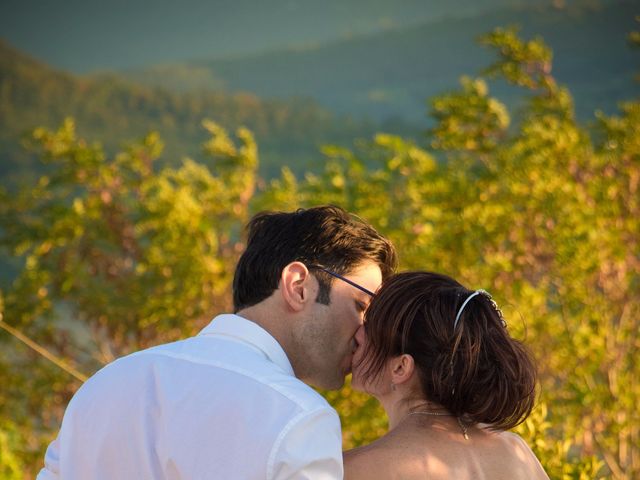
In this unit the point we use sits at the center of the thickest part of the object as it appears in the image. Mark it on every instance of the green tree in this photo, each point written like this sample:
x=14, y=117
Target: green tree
x=537, y=211
x=531, y=206
x=117, y=257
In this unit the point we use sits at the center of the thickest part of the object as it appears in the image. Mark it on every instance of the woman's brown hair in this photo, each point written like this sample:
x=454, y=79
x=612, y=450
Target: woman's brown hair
x=475, y=370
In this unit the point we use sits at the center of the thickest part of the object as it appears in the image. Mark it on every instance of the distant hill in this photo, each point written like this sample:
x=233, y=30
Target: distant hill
x=112, y=110
x=323, y=94
x=85, y=35
x=391, y=74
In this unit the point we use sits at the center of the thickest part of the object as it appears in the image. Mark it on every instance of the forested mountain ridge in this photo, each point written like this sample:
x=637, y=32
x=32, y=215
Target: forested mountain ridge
x=114, y=110
x=84, y=35
x=376, y=76
x=390, y=74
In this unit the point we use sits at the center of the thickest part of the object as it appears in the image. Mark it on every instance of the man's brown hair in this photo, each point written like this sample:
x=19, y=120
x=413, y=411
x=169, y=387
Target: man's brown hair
x=324, y=235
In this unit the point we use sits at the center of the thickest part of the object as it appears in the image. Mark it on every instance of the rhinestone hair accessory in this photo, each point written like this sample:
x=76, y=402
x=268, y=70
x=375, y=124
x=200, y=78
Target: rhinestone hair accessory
x=493, y=304
x=477, y=292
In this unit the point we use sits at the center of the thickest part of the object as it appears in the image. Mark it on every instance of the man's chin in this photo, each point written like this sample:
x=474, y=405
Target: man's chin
x=330, y=382
x=334, y=384
x=338, y=381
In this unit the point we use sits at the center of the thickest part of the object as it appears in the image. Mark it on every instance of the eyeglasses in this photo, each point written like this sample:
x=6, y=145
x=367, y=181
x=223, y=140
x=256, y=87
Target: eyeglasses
x=344, y=279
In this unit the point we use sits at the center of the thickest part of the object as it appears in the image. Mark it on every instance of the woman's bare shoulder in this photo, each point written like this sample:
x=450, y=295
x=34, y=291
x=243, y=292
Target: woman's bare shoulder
x=368, y=462
x=403, y=455
x=523, y=452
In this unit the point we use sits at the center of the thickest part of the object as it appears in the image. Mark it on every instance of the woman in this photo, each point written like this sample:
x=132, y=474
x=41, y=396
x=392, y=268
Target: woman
x=439, y=359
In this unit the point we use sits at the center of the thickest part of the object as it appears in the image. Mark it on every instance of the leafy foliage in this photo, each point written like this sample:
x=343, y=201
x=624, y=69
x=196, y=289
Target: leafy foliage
x=540, y=211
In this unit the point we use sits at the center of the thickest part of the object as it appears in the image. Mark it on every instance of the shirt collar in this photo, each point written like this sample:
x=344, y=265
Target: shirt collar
x=246, y=331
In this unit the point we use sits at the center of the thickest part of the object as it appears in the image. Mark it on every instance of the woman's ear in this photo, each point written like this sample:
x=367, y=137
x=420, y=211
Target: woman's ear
x=402, y=368
x=296, y=286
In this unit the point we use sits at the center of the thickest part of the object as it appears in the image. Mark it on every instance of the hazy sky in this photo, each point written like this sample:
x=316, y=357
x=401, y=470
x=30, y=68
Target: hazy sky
x=84, y=35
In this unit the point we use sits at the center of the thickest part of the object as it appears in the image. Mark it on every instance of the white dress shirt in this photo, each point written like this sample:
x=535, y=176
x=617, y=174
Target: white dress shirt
x=224, y=404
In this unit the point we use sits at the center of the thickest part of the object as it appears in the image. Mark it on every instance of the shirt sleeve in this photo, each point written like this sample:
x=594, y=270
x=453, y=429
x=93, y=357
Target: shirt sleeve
x=51, y=463
x=309, y=447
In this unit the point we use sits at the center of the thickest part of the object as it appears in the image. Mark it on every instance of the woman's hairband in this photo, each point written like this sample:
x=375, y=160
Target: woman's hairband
x=486, y=294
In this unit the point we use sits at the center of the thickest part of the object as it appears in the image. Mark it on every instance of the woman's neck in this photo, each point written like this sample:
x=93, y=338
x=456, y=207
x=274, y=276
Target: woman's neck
x=398, y=409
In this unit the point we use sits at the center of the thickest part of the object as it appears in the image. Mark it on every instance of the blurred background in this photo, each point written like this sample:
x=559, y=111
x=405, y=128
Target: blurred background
x=497, y=141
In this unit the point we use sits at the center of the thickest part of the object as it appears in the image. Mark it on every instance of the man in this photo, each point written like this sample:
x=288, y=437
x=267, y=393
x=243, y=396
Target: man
x=230, y=403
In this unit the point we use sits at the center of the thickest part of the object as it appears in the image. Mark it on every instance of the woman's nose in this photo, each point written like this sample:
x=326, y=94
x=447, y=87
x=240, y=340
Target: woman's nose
x=360, y=335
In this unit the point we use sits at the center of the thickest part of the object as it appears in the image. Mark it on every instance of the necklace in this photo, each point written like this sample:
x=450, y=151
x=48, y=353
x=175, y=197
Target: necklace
x=463, y=427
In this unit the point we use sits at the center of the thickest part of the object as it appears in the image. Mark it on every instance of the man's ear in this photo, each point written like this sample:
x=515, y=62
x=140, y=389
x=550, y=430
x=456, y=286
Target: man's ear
x=402, y=368
x=297, y=286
